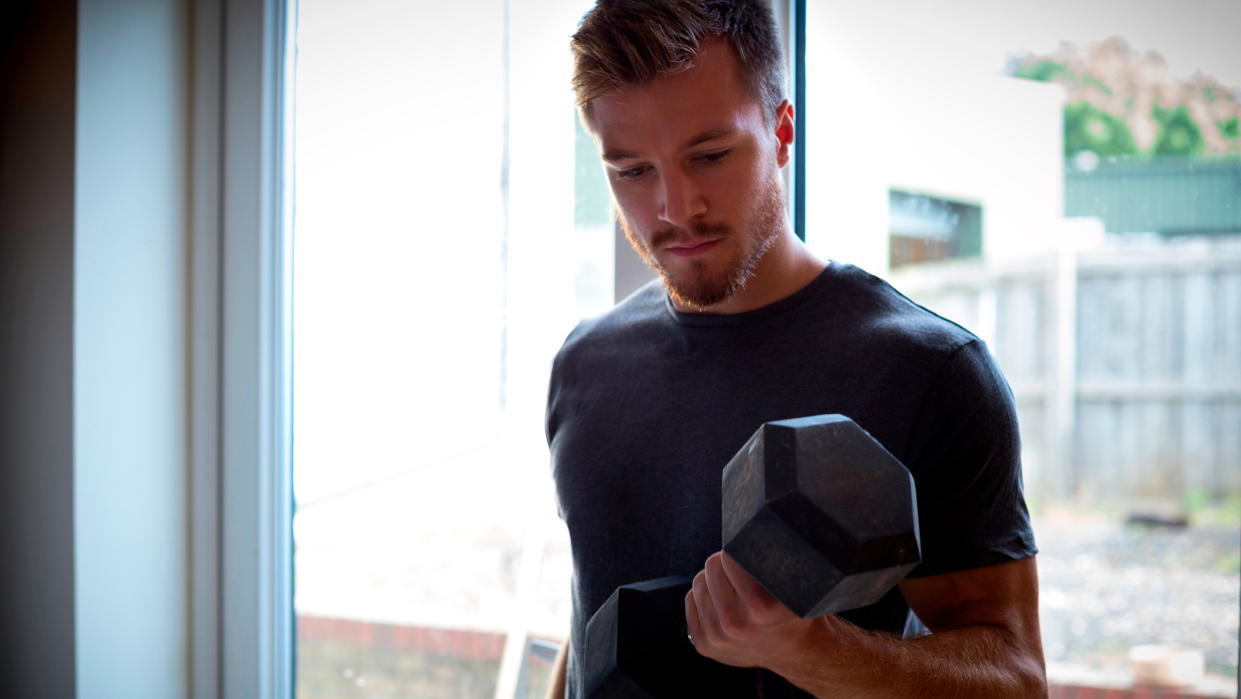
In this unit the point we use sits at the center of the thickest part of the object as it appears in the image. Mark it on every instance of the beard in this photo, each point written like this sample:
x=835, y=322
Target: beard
x=700, y=286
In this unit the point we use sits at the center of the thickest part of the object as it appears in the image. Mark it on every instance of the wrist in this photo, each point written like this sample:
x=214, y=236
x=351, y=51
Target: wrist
x=819, y=649
x=811, y=646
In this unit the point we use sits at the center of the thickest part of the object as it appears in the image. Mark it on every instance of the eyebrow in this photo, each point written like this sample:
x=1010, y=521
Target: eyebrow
x=612, y=156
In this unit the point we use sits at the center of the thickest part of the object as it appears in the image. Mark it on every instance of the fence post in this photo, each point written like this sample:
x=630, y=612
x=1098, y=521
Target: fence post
x=1061, y=394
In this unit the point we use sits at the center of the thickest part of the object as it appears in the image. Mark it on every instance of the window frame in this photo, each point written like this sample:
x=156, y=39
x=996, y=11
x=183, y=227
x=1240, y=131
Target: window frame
x=241, y=621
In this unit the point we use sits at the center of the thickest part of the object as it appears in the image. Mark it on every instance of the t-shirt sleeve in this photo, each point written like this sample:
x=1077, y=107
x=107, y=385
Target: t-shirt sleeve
x=965, y=454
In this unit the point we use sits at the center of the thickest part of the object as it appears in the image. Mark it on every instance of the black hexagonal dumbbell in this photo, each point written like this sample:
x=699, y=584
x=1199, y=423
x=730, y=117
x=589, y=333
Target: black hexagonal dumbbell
x=815, y=509
x=820, y=514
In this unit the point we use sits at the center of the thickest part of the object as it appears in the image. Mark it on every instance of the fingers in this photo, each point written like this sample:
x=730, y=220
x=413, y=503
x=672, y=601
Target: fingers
x=761, y=607
x=749, y=591
x=692, y=623
x=741, y=581
x=712, y=607
x=723, y=594
x=731, y=617
x=704, y=608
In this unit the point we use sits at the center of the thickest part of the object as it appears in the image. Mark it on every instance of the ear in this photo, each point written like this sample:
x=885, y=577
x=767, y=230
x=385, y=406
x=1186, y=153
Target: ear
x=784, y=131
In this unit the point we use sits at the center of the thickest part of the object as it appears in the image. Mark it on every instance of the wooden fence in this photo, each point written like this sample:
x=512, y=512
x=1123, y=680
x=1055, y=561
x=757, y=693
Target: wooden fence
x=1125, y=363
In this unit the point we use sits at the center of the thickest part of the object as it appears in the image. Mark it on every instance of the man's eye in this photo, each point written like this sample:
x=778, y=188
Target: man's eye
x=632, y=173
x=713, y=157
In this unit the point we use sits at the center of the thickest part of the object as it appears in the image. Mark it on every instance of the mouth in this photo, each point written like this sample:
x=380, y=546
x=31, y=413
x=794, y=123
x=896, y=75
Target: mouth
x=692, y=248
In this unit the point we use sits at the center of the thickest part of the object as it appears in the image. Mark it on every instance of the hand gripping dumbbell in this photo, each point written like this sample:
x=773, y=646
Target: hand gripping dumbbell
x=815, y=509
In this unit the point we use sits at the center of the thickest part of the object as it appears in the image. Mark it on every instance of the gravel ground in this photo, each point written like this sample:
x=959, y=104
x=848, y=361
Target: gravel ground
x=1106, y=586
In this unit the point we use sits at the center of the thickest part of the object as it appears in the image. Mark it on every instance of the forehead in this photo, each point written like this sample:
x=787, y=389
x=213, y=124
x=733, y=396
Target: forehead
x=673, y=108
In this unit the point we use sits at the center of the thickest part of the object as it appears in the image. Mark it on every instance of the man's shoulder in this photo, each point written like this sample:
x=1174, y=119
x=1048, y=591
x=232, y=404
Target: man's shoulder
x=633, y=322
x=641, y=312
x=605, y=354
x=885, y=316
x=915, y=346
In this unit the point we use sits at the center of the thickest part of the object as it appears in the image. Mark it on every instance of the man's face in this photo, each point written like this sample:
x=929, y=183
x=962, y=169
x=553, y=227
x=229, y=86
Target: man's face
x=694, y=169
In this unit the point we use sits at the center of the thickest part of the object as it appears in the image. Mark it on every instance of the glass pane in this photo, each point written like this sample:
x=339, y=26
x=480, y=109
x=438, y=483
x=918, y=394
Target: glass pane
x=1097, y=147
x=923, y=228
x=439, y=262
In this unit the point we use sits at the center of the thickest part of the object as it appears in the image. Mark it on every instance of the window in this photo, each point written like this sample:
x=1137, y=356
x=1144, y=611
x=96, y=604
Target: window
x=445, y=246
x=923, y=229
x=452, y=226
x=1075, y=211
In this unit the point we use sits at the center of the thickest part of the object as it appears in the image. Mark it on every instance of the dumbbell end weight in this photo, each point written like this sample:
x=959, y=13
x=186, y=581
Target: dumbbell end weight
x=637, y=648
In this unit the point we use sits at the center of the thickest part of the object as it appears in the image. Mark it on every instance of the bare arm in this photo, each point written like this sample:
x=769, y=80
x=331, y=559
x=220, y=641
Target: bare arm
x=985, y=639
x=555, y=690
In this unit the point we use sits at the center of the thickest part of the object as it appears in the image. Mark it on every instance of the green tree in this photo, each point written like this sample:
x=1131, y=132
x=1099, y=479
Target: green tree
x=1088, y=128
x=1178, y=132
x=1228, y=128
x=1044, y=71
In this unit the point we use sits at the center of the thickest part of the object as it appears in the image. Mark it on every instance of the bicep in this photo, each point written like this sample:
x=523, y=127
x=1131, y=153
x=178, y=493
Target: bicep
x=965, y=455
x=1003, y=595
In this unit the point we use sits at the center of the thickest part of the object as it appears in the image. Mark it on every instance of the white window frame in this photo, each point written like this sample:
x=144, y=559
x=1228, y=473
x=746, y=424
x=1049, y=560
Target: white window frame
x=241, y=616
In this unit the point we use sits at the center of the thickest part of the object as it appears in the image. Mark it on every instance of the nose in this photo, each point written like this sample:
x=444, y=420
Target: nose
x=683, y=200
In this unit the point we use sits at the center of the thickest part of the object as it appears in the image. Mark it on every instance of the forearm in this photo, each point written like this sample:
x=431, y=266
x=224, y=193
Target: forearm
x=555, y=689
x=837, y=659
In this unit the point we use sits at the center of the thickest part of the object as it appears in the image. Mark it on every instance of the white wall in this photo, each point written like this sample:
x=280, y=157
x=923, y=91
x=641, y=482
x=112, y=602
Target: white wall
x=990, y=140
x=130, y=353
x=892, y=106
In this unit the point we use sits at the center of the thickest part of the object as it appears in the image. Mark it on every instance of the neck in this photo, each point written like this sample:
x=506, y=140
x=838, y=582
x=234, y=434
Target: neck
x=786, y=268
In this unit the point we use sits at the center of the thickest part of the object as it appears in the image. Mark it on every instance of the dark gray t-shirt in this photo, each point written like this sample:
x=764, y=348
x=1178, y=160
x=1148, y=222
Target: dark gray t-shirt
x=647, y=405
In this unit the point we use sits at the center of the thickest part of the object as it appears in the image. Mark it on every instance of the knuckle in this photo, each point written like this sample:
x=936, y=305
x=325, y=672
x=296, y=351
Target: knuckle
x=699, y=586
x=731, y=623
x=753, y=600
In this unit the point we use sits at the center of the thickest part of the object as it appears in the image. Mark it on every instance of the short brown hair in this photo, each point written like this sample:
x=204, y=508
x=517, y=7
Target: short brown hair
x=630, y=42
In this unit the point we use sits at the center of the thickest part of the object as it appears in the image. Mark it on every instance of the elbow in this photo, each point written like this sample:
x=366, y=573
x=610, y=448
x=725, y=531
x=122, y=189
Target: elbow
x=1034, y=685
x=1030, y=678
x=1025, y=670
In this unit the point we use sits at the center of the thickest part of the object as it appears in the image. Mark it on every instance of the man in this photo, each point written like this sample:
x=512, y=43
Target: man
x=648, y=402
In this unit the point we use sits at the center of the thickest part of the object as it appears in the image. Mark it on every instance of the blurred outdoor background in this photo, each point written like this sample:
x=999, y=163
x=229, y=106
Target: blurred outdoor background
x=1062, y=179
